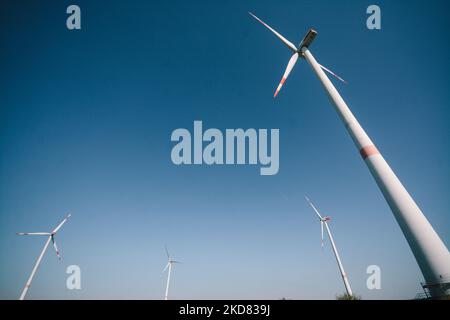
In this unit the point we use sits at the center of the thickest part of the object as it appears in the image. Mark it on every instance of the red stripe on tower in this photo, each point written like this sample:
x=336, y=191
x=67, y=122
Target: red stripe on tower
x=368, y=151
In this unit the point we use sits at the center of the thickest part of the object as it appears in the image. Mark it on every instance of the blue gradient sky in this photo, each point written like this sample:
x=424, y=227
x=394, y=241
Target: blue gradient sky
x=85, y=124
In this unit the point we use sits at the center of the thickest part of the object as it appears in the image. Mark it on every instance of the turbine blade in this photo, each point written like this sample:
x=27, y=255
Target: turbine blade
x=173, y=261
x=289, y=68
x=165, y=268
x=167, y=252
x=56, y=248
x=289, y=44
x=314, y=208
x=333, y=74
x=61, y=224
x=33, y=233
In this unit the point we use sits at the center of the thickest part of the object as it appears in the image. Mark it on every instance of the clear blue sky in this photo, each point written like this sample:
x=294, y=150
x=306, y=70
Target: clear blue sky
x=85, y=124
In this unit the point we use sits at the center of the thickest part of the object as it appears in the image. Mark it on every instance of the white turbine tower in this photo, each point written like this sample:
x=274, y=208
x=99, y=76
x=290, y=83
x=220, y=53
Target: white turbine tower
x=50, y=237
x=323, y=221
x=169, y=265
x=430, y=252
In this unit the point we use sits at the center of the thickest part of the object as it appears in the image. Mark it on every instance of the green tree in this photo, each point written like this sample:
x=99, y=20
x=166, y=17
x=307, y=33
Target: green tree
x=346, y=296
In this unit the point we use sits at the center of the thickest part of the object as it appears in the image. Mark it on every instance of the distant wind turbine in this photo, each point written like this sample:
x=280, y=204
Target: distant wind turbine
x=169, y=265
x=51, y=237
x=323, y=221
x=430, y=252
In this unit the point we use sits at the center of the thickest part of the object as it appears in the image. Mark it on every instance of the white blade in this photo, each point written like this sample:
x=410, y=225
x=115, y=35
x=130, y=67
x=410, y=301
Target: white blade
x=56, y=248
x=321, y=230
x=289, y=68
x=314, y=208
x=33, y=233
x=165, y=268
x=285, y=41
x=61, y=224
x=333, y=74
x=167, y=252
x=173, y=261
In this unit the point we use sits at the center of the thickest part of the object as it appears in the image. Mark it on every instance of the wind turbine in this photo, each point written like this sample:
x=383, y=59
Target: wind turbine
x=430, y=252
x=324, y=221
x=169, y=265
x=50, y=237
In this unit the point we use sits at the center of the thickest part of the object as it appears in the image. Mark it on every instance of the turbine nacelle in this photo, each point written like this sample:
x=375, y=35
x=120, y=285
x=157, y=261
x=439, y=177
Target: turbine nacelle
x=307, y=40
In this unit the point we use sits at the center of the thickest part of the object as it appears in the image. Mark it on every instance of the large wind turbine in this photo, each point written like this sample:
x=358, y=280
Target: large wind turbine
x=323, y=221
x=50, y=237
x=169, y=265
x=430, y=252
